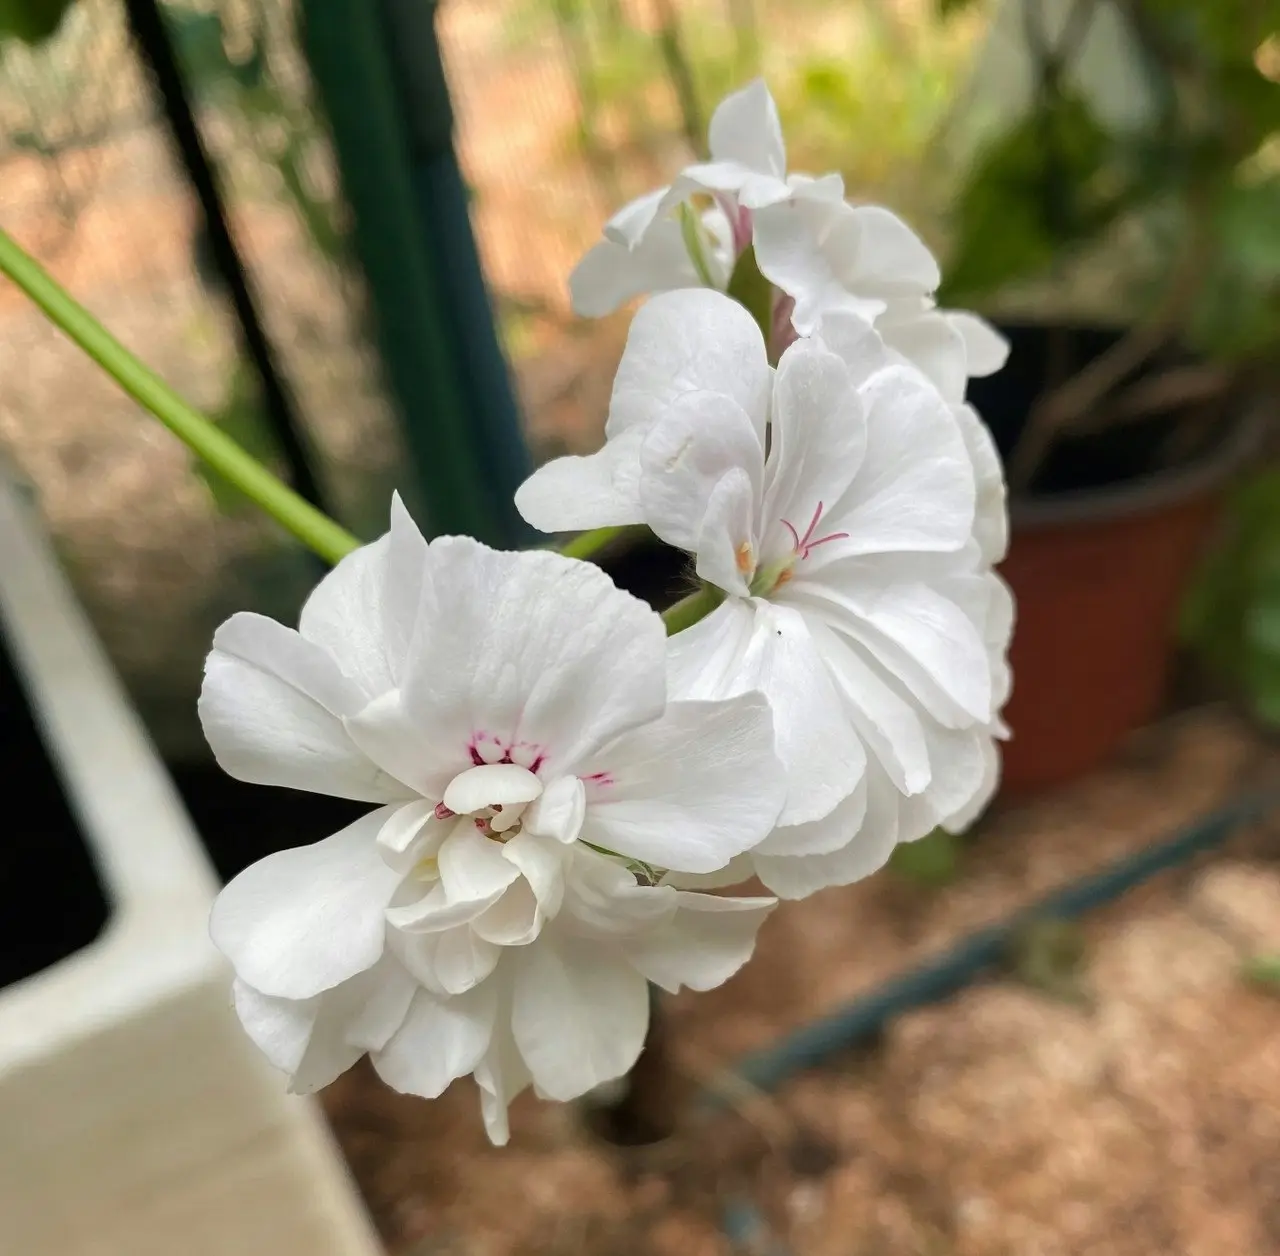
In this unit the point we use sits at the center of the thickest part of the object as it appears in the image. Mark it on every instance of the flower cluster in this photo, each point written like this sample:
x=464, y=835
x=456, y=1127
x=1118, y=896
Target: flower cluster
x=557, y=783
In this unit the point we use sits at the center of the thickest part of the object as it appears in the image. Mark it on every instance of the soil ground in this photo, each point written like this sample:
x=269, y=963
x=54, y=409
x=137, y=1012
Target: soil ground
x=1126, y=1104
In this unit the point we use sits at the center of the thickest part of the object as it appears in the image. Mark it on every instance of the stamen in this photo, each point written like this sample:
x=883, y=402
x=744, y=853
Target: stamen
x=804, y=545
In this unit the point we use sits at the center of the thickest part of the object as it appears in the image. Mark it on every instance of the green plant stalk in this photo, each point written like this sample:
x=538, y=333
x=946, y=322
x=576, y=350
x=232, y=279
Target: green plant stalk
x=587, y=543
x=688, y=610
x=312, y=527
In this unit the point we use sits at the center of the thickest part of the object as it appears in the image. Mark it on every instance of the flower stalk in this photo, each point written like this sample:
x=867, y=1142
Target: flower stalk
x=312, y=527
x=686, y=612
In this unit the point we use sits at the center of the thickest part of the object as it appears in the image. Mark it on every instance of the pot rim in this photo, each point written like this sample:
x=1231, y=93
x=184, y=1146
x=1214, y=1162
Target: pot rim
x=1148, y=493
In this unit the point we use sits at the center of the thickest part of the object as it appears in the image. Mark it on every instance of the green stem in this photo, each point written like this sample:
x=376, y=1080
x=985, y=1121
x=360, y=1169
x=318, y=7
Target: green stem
x=688, y=610
x=587, y=543
x=691, y=234
x=311, y=526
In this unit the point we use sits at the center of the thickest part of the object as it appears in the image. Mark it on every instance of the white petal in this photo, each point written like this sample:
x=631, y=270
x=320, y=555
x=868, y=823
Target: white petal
x=991, y=516
x=854, y=340
x=829, y=255
x=542, y=863
x=432, y=913
x=750, y=188
x=866, y=851
x=378, y=1009
x=611, y=274
x=691, y=790
x=514, y=920
x=997, y=631
x=490, y=784
x=738, y=870
x=314, y=1040
x=933, y=346
x=537, y=650
x=440, y=1040
x=600, y=490
x=726, y=541
x=706, y=942
x=891, y=727
x=449, y=962
x=271, y=707
x=702, y=437
x=362, y=613
x=819, y=837
x=472, y=868
x=424, y=750
x=915, y=489
x=790, y=240
x=579, y=1015
x=962, y=779
x=986, y=348
x=604, y=902
x=745, y=128
x=917, y=636
x=689, y=341
x=816, y=739
x=964, y=815
x=402, y=841
x=630, y=223
x=755, y=645
x=819, y=437
x=280, y=1028
x=501, y=1076
x=301, y=921
x=891, y=257
x=560, y=810
x=705, y=660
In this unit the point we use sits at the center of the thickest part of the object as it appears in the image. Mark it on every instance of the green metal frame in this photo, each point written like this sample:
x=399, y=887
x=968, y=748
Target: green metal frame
x=376, y=67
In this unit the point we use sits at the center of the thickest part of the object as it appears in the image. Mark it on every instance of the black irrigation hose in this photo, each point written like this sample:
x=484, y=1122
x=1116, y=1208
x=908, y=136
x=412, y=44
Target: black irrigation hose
x=962, y=964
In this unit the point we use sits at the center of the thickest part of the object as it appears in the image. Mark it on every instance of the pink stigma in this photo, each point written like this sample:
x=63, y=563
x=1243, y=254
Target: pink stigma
x=804, y=545
x=443, y=813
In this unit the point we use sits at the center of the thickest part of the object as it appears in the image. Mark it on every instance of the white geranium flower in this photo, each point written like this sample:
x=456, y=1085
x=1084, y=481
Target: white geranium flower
x=821, y=253
x=816, y=249
x=835, y=505
x=501, y=911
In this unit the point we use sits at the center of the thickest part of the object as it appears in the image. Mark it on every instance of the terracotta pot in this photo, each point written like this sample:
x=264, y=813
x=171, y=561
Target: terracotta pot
x=1098, y=580
x=1098, y=573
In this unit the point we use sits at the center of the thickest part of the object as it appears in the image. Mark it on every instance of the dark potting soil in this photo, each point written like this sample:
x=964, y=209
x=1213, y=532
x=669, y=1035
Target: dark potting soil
x=1125, y=451
x=51, y=899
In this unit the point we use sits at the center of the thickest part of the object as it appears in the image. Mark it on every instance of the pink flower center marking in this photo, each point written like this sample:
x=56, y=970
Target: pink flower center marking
x=486, y=748
x=804, y=545
x=740, y=222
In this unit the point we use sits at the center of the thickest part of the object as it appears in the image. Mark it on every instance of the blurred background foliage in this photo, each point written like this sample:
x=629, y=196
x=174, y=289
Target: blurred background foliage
x=1096, y=160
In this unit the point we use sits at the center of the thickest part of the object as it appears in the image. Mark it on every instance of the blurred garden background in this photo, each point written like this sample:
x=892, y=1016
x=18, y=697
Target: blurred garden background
x=1101, y=177
x=564, y=108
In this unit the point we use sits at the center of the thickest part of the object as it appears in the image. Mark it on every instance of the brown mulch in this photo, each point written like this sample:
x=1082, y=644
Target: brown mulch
x=1131, y=1108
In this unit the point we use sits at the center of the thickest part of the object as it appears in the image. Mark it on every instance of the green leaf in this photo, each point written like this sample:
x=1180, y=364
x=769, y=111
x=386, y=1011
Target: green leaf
x=1264, y=971
x=1040, y=189
x=32, y=21
x=933, y=860
x=753, y=291
x=1232, y=615
x=1237, y=315
x=948, y=8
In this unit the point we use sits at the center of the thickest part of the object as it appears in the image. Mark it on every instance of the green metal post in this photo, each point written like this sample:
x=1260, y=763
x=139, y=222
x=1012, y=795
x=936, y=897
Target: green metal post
x=346, y=45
